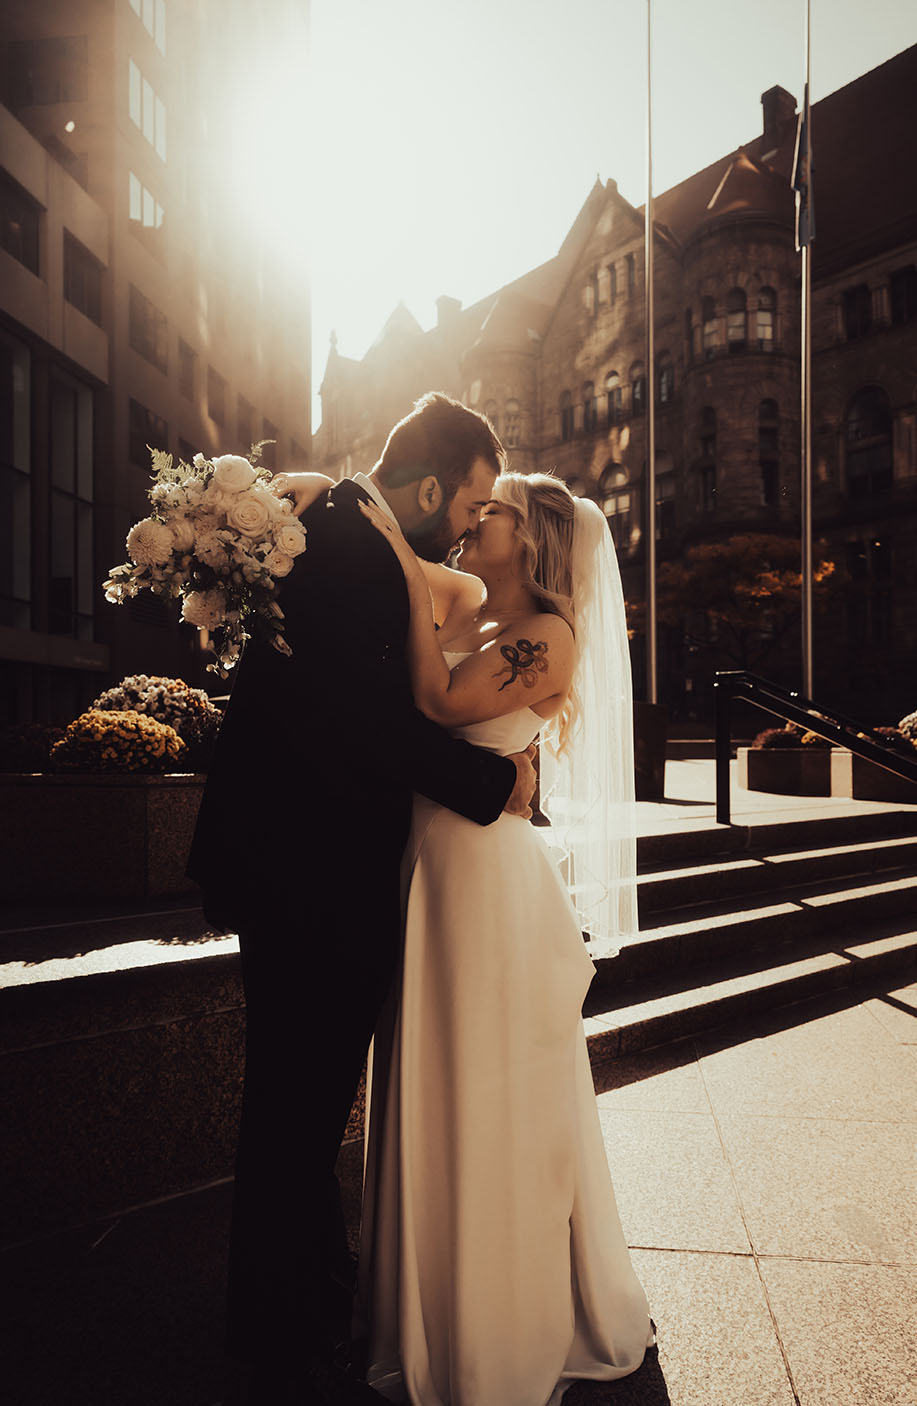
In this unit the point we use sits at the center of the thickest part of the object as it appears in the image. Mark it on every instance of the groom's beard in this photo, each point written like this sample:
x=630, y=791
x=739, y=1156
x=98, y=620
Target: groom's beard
x=435, y=540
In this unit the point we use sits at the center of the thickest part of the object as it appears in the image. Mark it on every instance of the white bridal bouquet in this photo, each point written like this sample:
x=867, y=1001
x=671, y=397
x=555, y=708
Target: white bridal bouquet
x=218, y=538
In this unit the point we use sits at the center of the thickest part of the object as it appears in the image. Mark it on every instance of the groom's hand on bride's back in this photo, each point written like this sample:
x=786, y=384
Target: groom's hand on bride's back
x=520, y=798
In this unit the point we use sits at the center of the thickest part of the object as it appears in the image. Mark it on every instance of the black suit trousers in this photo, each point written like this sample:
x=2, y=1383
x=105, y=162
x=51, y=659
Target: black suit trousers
x=313, y=996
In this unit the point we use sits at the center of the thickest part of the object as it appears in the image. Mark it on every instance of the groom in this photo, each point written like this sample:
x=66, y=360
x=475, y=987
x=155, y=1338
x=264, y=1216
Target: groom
x=298, y=847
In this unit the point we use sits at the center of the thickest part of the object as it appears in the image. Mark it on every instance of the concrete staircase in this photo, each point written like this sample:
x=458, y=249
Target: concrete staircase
x=739, y=920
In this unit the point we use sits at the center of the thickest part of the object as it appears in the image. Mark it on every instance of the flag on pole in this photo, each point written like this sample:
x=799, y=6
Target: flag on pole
x=801, y=180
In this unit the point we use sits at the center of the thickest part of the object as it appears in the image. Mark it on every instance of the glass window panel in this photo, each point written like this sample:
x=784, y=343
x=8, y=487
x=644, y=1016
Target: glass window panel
x=159, y=215
x=63, y=437
x=14, y=404
x=135, y=196
x=135, y=6
x=84, y=464
x=160, y=128
x=149, y=209
x=85, y=582
x=15, y=554
x=148, y=20
x=134, y=93
x=148, y=112
x=62, y=563
x=160, y=33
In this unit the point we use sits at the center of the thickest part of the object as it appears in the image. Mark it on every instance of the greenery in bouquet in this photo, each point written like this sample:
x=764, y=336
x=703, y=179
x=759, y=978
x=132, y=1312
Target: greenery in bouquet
x=172, y=701
x=99, y=740
x=26, y=747
x=218, y=538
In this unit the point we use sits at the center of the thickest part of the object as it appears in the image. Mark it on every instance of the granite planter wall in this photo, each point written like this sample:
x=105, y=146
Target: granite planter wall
x=102, y=836
x=865, y=781
x=789, y=771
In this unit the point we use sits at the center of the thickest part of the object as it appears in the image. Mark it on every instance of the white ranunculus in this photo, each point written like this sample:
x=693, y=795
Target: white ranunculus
x=149, y=543
x=290, y=537
x=182, y=534
x=278, y=563
x=205, y=609
x=248, y=515
x=232, y=473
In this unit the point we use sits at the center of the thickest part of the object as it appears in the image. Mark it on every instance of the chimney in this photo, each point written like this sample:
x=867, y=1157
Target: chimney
x=779, y=115
x=447, y=310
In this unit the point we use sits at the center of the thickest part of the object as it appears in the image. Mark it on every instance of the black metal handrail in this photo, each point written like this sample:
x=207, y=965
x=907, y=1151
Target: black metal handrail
x=793, y=707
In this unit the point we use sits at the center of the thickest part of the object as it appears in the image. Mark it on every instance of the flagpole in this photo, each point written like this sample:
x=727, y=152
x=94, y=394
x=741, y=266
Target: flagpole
x=650, y=475
x=805, y=236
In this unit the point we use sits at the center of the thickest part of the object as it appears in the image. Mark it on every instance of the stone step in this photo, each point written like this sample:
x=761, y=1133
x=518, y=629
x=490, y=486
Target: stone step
x=648, y=1015
x=720, y=931
x=691, y=884
x=706, y=840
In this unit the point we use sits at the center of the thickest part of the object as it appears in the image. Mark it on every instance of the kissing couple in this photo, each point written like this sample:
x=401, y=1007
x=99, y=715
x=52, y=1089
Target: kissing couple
x=365, y=830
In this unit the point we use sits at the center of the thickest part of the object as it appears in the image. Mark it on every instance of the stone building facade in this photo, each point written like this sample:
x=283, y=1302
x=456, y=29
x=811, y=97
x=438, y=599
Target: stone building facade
x=557, y=361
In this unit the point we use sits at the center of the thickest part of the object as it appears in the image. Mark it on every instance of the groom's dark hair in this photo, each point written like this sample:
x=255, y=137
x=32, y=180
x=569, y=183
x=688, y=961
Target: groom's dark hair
x=442, y=437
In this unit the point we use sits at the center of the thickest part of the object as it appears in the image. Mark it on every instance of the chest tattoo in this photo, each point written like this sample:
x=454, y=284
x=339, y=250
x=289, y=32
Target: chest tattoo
x=525, y=661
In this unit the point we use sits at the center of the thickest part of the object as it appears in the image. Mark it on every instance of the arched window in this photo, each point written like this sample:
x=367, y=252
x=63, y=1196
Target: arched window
x=490, y=410
x=612, y=284
x=512, y=424
x=589, y=296
x=613, y=398
x=736, y=321
x=766, y=319
x=708, y=321
x=590, y=408
x=707, y=464
x=566, y=415
x=617, y=503
x=768, y=452
x=613, y=476
x=638, y=388
x=869, y=443
x=666, y=379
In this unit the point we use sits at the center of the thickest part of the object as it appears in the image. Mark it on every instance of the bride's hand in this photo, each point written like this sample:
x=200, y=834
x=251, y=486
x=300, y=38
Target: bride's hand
x=302, y=487
x=392, y=533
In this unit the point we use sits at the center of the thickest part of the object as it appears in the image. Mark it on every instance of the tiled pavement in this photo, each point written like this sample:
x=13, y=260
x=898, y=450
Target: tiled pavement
x=766, y=1182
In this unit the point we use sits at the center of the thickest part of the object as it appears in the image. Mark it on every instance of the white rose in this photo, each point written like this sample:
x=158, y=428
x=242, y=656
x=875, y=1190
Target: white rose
x=149, y=543
x=214, y=498
x=205, y=609
x=232, y=473
x=182, y=535
x=248, y=515
x=290, y=537
x=278, y=563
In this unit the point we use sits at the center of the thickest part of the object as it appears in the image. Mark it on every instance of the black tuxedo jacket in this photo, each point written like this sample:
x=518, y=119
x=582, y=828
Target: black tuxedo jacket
x=308, y=799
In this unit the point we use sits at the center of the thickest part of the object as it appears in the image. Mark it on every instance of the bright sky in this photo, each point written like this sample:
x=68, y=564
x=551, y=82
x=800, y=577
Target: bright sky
x=453, y=145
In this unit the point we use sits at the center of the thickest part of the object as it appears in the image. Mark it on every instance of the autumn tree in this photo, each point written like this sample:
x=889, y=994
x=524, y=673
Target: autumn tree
x=739, y=598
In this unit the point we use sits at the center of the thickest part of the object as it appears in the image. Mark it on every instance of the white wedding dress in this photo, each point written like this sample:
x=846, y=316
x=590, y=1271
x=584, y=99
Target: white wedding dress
x=493, y=1267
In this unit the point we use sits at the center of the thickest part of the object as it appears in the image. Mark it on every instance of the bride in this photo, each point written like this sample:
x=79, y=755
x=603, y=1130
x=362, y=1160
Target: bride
x=493, y=1268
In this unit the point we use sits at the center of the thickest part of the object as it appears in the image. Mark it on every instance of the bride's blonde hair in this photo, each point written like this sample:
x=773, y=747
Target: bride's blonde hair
x=544, y=507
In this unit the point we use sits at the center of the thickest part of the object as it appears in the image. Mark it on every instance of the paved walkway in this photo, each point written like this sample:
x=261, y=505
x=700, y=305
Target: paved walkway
x=767, y=1181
